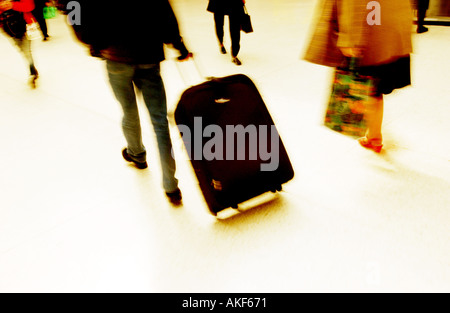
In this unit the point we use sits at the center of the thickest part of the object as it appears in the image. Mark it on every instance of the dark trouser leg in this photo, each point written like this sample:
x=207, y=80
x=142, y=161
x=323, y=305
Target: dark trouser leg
x=422, y=8
x=421, y=14
x=121, y=79
x=235, y=32
x=149, y=81
x=38, y=13
x=219, y=20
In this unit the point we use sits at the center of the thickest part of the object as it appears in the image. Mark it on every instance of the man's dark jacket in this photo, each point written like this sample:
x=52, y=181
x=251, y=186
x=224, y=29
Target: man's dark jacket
x=226, y=7
x=133, y=34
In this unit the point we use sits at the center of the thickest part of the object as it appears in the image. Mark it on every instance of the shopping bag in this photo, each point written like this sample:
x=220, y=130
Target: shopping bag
x=13, y=23
x=49, y=12
x=352, y=96
x=33, y=31
x=246, y=22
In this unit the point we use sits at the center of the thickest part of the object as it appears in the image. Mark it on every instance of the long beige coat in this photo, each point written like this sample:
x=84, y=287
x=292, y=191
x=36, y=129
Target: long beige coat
x=343, y=24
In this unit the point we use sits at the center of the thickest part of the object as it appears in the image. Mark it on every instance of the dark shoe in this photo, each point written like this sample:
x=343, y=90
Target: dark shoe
x=175, y=197
x=33, y=71
x=237, y=61
x=422, y=30
x=373, y=144
x=223, y=50
x=139, y=165
x=46, y=38
x=33, y=78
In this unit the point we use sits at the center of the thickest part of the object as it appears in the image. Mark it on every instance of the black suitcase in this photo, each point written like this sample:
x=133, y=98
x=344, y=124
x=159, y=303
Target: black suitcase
x=232, y=142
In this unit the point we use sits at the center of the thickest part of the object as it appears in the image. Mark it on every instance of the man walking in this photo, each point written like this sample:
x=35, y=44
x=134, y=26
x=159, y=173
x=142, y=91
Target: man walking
x=132, y=43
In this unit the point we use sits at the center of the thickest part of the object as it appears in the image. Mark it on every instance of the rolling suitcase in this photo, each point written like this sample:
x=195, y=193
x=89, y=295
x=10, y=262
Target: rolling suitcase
x=232, y=142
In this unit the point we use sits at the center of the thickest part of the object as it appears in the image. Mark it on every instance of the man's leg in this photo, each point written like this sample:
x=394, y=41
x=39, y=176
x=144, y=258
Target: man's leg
x=422, y=8
x=38, y=14
x=121, y=80
x=219, y=20
x=235, y=32
x=148, y=79
x=25, y=47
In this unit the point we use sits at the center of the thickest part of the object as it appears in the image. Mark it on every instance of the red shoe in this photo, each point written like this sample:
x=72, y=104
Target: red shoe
x=371, y=144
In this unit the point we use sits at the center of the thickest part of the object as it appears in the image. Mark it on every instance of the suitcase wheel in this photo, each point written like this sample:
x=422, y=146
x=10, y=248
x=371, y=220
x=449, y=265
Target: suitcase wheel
x=277, y=189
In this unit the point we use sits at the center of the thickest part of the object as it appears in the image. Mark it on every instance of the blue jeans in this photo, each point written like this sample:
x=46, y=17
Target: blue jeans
x=25, y=47
x=147, y=79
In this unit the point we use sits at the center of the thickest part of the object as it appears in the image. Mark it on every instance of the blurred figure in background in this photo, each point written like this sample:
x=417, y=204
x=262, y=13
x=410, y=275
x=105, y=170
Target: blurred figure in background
x=234, y=9
x=39, y=16
x=15, y=16
x=132, y=42
x=422, y=8
x=384, y=50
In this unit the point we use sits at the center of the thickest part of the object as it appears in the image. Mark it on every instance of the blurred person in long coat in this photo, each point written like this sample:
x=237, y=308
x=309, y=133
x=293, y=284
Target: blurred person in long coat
x=234, y=9
x=343, y=31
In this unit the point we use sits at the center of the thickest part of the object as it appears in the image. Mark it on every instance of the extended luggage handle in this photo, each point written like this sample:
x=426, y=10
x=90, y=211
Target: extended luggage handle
x=220, y=91
x=218, y=87
x=190, y=58
x=220, y=99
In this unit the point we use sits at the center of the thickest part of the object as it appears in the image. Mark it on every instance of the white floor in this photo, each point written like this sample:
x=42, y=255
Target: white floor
x=74, y=217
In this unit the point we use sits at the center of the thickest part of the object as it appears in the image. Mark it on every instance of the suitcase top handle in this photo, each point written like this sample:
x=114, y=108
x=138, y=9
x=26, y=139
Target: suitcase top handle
x=222, y=101
x=220, y=91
